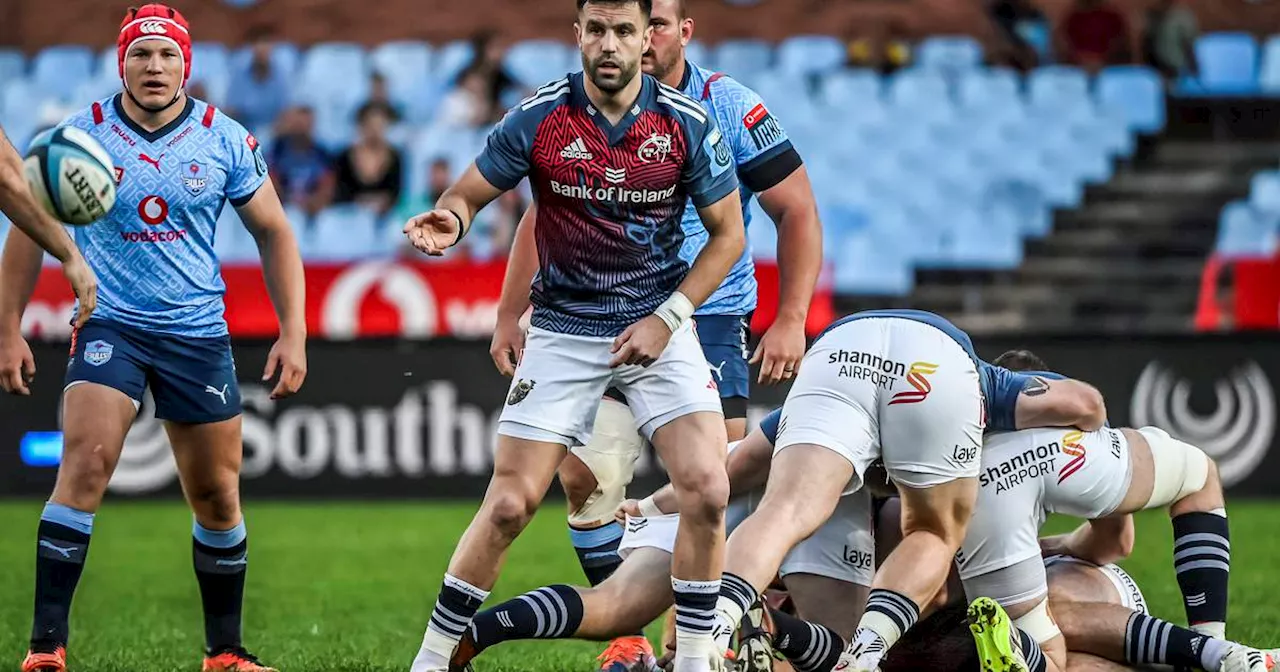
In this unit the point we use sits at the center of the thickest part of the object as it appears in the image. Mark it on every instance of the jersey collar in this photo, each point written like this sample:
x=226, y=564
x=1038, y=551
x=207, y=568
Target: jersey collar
x=688, y=75
x=613, y=133
x=152, y=136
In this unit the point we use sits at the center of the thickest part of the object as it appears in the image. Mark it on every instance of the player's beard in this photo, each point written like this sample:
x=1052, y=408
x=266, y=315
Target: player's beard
x=627, y=72
x=661, y=68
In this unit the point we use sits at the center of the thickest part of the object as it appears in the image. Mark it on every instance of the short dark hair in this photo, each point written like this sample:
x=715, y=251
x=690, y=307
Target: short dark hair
x=1021, y=360
x=646, y=6
x=940, y=642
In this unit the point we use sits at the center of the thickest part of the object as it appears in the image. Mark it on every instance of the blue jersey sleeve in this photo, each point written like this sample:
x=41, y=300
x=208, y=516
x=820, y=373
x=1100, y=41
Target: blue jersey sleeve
x=247, y=168
x=505, y=159
x=707, y=174
x=762, y=150
x=1001, y=388
x=769, y=425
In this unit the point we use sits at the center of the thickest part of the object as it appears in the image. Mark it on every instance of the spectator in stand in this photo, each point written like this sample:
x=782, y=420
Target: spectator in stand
x=369, y=172
x=302, y=171
x=1024, y=34
x=439, y=178
x=1095, y=34
x=887, y=49
x=469, y=104
x=258, y=92
x=487, y=66
x=1170, y=40
x=380, y=96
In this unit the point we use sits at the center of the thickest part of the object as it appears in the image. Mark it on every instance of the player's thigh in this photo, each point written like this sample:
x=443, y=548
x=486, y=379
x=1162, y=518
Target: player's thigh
x=208, y=456
x=943, y=509
x=842, y=548
x=1087, y=662
x=633, y=596
x=556, y=388
x=193, y=380
x=805, y=485
x=676, y=390
x=931, y=421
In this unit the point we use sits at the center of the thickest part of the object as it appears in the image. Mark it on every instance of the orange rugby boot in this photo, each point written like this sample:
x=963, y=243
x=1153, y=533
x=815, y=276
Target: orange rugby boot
x=234, y=660
x=55, y=661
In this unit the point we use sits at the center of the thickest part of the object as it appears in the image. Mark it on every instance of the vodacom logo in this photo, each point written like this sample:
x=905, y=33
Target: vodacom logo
x=1237, y=434
x=401, y=287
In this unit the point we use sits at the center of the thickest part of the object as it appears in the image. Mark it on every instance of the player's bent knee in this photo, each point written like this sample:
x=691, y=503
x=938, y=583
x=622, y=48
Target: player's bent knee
x=215, y=506
x=704, y=492
x=1181, y=469
x=510, y=512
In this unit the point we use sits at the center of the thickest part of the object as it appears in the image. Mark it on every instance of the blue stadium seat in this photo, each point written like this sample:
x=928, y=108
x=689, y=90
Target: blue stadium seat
x=1136, y=93
x=333, y=65
x=536, y=62
x=107, y=65
x=920, y=96
x=846, y=89
x=13, y=65
x=231, y=241
x=1244, y=232
x=334, y=80
x=1228, y=63
x=867, y=265
x=1269, y=78
x=810, y=54
x=744, y=58
x=1058, y=88
x=1264, y=193
x=698, y=54
x=949, y=54
x=59, y=70
x=1020, y=206
x=18, y=110
x=989, y=90
x=979, y=242
x=211, y=66
x=343, y=233
x=285, y=57
x=407, y=68
x=452, y=59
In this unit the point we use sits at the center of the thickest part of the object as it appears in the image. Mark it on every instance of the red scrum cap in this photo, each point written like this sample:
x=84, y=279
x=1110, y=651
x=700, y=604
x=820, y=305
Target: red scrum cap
x=155, y=22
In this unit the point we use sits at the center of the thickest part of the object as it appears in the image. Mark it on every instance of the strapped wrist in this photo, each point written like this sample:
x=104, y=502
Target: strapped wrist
x=649, y=508
x=675, y=311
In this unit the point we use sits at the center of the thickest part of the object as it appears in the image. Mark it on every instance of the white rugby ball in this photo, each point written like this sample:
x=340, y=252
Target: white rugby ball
x=71, y=175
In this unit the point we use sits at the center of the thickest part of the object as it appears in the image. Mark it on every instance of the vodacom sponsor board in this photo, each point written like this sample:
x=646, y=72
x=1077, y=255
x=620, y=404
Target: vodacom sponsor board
x=386, y=298
x=402, y=418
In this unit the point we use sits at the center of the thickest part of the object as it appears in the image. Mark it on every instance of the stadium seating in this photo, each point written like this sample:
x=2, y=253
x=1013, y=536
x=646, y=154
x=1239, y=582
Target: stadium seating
x=1228, y=63
x=1245, y=232
x=948, y=164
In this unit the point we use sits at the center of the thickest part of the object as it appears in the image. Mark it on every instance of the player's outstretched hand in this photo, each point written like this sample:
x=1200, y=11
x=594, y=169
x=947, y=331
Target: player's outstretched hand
x=433, y=232
x=17, y=364
x=508, y=343
x=642, y=343
x=779, y=352
x=85, y=284
x=289, y=357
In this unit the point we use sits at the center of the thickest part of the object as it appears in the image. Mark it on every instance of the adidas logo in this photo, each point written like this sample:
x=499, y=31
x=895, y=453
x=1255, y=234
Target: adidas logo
x=577, y=150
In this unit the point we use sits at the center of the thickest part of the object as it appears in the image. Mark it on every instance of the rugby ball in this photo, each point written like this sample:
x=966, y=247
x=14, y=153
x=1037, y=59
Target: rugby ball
x=71, y=175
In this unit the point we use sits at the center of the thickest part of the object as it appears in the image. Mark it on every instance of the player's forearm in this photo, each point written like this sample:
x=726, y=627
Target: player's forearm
x=19, y=272
x=748, y=464
x=664, y=499
x=286, y=282
x=799, y=261
x=522, y=265
x=17, y=202
x=725, y=241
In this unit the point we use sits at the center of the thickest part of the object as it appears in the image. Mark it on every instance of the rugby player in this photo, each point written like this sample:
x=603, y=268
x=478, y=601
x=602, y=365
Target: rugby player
x=594, y=476
x=159, y=325
x=902, y=386
x=613, y=155
x=18, y=204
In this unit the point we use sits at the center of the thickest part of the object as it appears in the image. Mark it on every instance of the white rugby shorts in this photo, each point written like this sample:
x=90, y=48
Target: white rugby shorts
x=889, y=388
x=842, y=549
x=561, y=378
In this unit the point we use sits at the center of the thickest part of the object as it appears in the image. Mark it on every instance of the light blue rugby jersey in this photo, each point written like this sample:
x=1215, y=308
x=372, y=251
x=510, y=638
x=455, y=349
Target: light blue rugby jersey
x=764, y=157
x=153, y=252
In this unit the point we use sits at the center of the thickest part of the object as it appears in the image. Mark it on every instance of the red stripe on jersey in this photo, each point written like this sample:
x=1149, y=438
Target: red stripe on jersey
x=706, y=88
x=97, y=113
x=208, y=116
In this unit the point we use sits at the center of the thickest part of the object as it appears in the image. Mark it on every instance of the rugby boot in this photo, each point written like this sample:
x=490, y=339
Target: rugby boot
x=46, y=661
x=755, y=640
x=628, y=654
x=999, y=647
x=234, y=659
x=464, y=653
x=1245, y=659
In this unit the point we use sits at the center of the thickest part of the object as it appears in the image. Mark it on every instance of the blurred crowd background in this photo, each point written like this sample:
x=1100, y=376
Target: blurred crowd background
x=1018, y=165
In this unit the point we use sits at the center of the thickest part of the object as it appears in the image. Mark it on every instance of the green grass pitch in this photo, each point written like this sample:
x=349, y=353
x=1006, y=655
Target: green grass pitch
x=348, y=586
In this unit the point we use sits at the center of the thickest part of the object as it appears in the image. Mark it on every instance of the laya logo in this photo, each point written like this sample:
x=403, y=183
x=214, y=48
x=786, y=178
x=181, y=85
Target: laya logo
x=1073, y=448
x=917, y=377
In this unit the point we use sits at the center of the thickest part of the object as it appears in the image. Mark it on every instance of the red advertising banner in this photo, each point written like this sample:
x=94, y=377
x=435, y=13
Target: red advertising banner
x=381, y=298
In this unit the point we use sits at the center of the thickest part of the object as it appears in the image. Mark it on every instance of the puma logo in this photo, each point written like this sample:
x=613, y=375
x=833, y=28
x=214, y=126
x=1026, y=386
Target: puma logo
x=719, y=370
x=155, y=162
x=64, y=552
x=221, y=394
